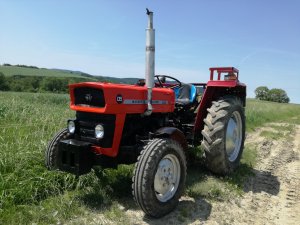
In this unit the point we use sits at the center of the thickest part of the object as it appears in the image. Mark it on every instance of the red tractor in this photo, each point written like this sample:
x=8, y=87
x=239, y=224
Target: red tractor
x=153, y=124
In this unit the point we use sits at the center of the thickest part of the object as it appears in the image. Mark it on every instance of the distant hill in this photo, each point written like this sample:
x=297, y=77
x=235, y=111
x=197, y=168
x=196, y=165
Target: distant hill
x=26, y=71
x=33, y=71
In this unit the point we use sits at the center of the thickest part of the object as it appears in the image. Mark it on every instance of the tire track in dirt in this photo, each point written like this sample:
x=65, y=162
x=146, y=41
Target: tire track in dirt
x=290, y=198
x=272, y=195
x=284, y=165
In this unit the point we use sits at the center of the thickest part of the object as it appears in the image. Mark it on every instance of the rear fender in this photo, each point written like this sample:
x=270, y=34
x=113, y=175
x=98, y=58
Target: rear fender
x=214, y=91
x=172, y=133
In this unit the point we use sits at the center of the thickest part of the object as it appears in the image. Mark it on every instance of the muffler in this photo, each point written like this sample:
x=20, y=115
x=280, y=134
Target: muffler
x=150, y=61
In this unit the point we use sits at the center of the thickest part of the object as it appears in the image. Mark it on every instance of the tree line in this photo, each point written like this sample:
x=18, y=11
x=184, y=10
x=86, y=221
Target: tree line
x=21, y=83
x=19, y=65
x=274, y=95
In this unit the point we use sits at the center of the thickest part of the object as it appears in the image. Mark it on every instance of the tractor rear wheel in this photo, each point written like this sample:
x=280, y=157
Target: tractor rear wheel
x=52, y=154
x=159, y=177
x=224, y=134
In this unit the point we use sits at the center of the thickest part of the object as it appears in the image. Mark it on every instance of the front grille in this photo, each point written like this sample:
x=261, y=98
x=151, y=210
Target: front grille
x=85, y=128
x=86, y=96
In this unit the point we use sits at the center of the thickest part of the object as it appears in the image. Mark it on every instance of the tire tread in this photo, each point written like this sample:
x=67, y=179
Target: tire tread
x=213, y=133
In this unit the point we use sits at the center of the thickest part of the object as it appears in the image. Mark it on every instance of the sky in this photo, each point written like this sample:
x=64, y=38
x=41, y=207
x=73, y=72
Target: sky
x=260, y=38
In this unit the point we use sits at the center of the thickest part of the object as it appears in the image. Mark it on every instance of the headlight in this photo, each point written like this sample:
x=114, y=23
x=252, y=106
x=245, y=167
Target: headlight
x=71, y=126
x=99, y=131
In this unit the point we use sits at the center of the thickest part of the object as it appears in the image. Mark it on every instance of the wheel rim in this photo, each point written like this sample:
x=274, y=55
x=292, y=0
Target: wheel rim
x=167, y=178
x=234, y=136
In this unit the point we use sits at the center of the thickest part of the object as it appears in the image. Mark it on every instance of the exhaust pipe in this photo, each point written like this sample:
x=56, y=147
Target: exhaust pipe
x=150, y=61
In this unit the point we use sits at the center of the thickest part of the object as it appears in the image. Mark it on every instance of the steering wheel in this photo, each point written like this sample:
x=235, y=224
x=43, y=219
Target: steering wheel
x=170, y=84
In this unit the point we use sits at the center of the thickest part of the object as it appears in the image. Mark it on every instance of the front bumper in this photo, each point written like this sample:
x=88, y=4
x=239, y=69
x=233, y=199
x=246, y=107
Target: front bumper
x=76, y=156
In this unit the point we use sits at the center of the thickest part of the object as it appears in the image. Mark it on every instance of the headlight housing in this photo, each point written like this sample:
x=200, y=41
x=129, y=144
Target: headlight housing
x=71, y=126
x=99, y=131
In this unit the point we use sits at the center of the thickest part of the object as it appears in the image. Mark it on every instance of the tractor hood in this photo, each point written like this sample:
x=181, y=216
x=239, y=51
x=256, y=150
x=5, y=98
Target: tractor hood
x=111, y=98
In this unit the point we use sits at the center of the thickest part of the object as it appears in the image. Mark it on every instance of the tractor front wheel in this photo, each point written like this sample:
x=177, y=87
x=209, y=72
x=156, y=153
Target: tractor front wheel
x=159, y=177
x=224, y=134
x=52, y=154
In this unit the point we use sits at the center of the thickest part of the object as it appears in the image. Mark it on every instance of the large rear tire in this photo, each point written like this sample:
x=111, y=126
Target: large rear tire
x=159, y=177
x=52, y=154
x=224, y=134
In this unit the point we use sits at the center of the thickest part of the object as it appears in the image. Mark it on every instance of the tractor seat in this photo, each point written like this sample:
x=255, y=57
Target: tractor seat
x=186, y=94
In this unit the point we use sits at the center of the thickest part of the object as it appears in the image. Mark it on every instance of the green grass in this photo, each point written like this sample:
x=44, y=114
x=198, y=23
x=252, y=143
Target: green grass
x=201, y=183
x=15, y=70
x=261, y=112
x=272, y=135
x=29, y=193
x=25, y=128
x=277, y=132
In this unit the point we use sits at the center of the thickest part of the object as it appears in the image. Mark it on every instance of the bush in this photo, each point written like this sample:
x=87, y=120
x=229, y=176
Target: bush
x=278, y=95
x=261, y=93
x=3, y=83
x=53, y=84
x=273, y=95
x=24, y=83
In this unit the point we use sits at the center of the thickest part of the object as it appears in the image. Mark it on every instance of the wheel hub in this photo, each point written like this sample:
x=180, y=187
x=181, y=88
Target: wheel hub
x=234, y=136
x=167, y=178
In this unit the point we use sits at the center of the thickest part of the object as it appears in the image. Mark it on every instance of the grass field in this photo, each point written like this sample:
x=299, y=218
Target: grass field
x=30, y=194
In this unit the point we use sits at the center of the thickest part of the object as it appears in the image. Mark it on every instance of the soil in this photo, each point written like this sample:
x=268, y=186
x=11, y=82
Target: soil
x=271, y=196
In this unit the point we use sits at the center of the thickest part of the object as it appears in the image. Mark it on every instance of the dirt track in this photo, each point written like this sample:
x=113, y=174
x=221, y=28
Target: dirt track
x=272, y=195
